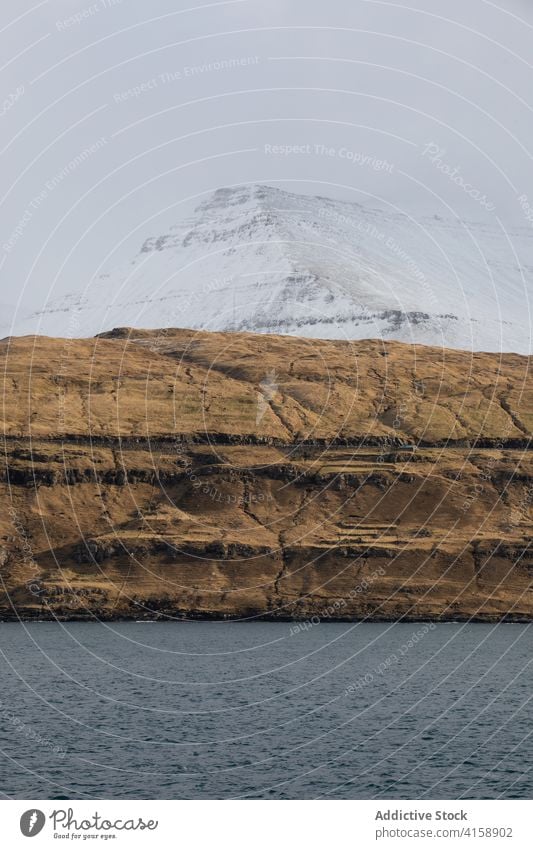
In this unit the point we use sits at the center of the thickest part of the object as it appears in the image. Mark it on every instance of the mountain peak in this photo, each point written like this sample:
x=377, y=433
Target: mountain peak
x=257, y=258
x=228, y=197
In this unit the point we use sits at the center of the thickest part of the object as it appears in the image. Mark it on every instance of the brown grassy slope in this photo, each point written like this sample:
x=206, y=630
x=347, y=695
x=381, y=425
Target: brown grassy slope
x=157, y=471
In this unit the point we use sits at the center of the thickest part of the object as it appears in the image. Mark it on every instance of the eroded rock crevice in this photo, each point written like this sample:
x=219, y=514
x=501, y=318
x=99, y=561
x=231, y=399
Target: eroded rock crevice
x=147, y=503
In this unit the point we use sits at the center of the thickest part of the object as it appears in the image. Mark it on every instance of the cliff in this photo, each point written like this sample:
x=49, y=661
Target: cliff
x=189, y=474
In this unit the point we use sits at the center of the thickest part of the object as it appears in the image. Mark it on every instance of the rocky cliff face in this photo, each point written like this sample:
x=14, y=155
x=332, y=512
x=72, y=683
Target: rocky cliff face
x=182, y=474
x=256, y=258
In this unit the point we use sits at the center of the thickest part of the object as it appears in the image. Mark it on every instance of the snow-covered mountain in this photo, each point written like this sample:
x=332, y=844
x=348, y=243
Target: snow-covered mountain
x=261, y=259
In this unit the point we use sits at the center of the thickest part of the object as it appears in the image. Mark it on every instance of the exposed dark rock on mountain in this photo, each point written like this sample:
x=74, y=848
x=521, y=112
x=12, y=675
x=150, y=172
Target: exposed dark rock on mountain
x=260, y=259
x=183, y=474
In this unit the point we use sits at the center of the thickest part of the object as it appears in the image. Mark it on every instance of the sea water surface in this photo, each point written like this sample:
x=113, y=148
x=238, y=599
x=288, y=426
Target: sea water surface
x=207, y=710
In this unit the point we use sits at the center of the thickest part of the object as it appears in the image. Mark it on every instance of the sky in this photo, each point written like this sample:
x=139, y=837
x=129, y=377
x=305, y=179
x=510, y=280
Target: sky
x=118, y=116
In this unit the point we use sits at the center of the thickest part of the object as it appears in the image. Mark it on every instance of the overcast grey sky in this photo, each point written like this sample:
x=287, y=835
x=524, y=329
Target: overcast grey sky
x=171, y=102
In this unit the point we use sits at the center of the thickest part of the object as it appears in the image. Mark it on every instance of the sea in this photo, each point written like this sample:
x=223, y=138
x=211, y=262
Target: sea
x=265, y=710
